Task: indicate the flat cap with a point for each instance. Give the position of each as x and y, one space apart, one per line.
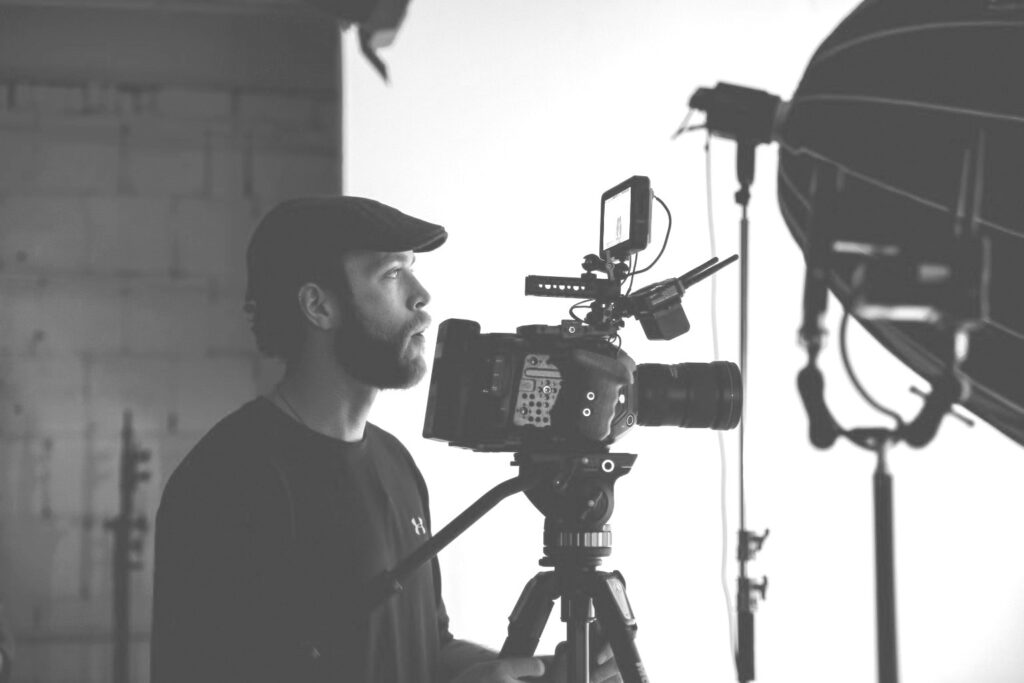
295 237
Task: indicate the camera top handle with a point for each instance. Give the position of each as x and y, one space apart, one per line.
656 306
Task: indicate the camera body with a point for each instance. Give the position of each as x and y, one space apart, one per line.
543 388
564 389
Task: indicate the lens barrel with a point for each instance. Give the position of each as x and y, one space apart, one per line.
689 394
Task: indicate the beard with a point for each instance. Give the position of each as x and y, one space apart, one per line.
376 357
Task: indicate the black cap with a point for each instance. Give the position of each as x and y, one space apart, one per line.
301 237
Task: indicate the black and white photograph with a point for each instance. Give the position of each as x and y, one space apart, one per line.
461 341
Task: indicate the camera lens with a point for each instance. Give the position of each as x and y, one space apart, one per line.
689 394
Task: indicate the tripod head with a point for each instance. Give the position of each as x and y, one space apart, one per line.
576 495
577 498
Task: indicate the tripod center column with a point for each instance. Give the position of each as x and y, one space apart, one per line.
578 613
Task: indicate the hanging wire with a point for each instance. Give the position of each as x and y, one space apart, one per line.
578 304
668 231
730 615
632 266
618 343
844 352
723 477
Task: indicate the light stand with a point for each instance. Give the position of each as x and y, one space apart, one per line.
748 591
749 117
885 567
128 528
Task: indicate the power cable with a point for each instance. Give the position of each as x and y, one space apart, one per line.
721 437
668 231
845 354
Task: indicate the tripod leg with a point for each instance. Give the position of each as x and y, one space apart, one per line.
578 613
615 617
530 615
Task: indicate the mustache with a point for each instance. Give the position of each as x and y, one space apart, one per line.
417 324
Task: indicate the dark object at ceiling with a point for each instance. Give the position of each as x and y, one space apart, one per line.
894 97
378 20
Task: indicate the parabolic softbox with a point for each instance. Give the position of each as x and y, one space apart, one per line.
894 97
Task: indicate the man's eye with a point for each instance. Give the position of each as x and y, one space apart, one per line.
395 272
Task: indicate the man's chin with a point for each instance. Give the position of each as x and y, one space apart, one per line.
417 372
412 374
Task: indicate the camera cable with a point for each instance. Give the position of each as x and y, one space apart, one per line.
578 304
632 268
668 231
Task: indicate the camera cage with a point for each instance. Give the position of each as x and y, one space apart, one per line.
570 387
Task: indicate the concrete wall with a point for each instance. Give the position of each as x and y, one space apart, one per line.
128 191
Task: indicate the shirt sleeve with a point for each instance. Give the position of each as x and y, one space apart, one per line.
215 617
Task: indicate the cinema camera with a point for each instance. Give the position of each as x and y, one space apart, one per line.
559 395
570 388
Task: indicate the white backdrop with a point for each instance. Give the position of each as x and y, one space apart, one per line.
505 122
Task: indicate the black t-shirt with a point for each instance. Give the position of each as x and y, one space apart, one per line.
266 537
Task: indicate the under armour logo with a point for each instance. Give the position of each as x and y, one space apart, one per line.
418 526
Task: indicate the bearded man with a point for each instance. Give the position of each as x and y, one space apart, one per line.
272 526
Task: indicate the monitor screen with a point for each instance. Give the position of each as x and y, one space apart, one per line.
616 228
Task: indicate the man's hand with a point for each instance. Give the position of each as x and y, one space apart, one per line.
510 670
603 668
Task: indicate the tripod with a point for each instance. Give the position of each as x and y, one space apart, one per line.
576 495
576 508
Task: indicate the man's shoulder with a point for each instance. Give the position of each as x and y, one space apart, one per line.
397 454
235 435
226 488
232 452
381 437
383 440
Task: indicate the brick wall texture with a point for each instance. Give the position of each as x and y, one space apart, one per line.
124 214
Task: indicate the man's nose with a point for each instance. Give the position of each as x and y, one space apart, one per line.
420 295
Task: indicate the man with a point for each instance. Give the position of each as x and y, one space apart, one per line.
273 524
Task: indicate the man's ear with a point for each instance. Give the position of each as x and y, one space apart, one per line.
318 306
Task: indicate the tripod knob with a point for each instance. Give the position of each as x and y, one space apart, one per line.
581 539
